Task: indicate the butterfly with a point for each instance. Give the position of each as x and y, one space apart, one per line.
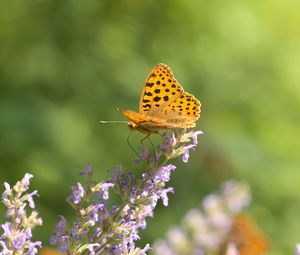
247 237
163 104
49 251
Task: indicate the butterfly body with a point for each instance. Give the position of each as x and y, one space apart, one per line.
163 104
146 124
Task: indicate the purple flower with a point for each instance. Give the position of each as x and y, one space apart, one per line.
186 152
195 137
139 251
146 248
164 196
186 149
208 228
19 241
86 226
25 182
63 244
104 189
237 195
77 194
143 156
168 145
97 212
7 192
163 173
5 250
61 226
59 237
17 233
161 247
99 229
8 229
87 171
32 247
30 198
92 247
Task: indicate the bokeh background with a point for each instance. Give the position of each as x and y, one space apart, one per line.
64 65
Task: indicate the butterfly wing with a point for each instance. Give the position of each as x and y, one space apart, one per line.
160 89
182 112
248 238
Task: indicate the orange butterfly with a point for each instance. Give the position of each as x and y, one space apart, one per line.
49 251
163 104
247 237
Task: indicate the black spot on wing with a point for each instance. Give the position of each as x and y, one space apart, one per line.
156 99
150 85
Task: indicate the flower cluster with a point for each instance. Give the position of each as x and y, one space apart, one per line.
17 235
102 228
205 231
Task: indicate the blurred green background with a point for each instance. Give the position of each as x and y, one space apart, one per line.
64 65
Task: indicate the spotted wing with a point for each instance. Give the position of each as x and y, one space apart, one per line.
160 89
183 111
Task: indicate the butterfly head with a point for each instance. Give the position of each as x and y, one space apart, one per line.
131 125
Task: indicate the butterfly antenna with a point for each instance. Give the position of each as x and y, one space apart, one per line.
113 121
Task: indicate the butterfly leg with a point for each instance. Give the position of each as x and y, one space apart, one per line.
131 145
151 143
147 137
